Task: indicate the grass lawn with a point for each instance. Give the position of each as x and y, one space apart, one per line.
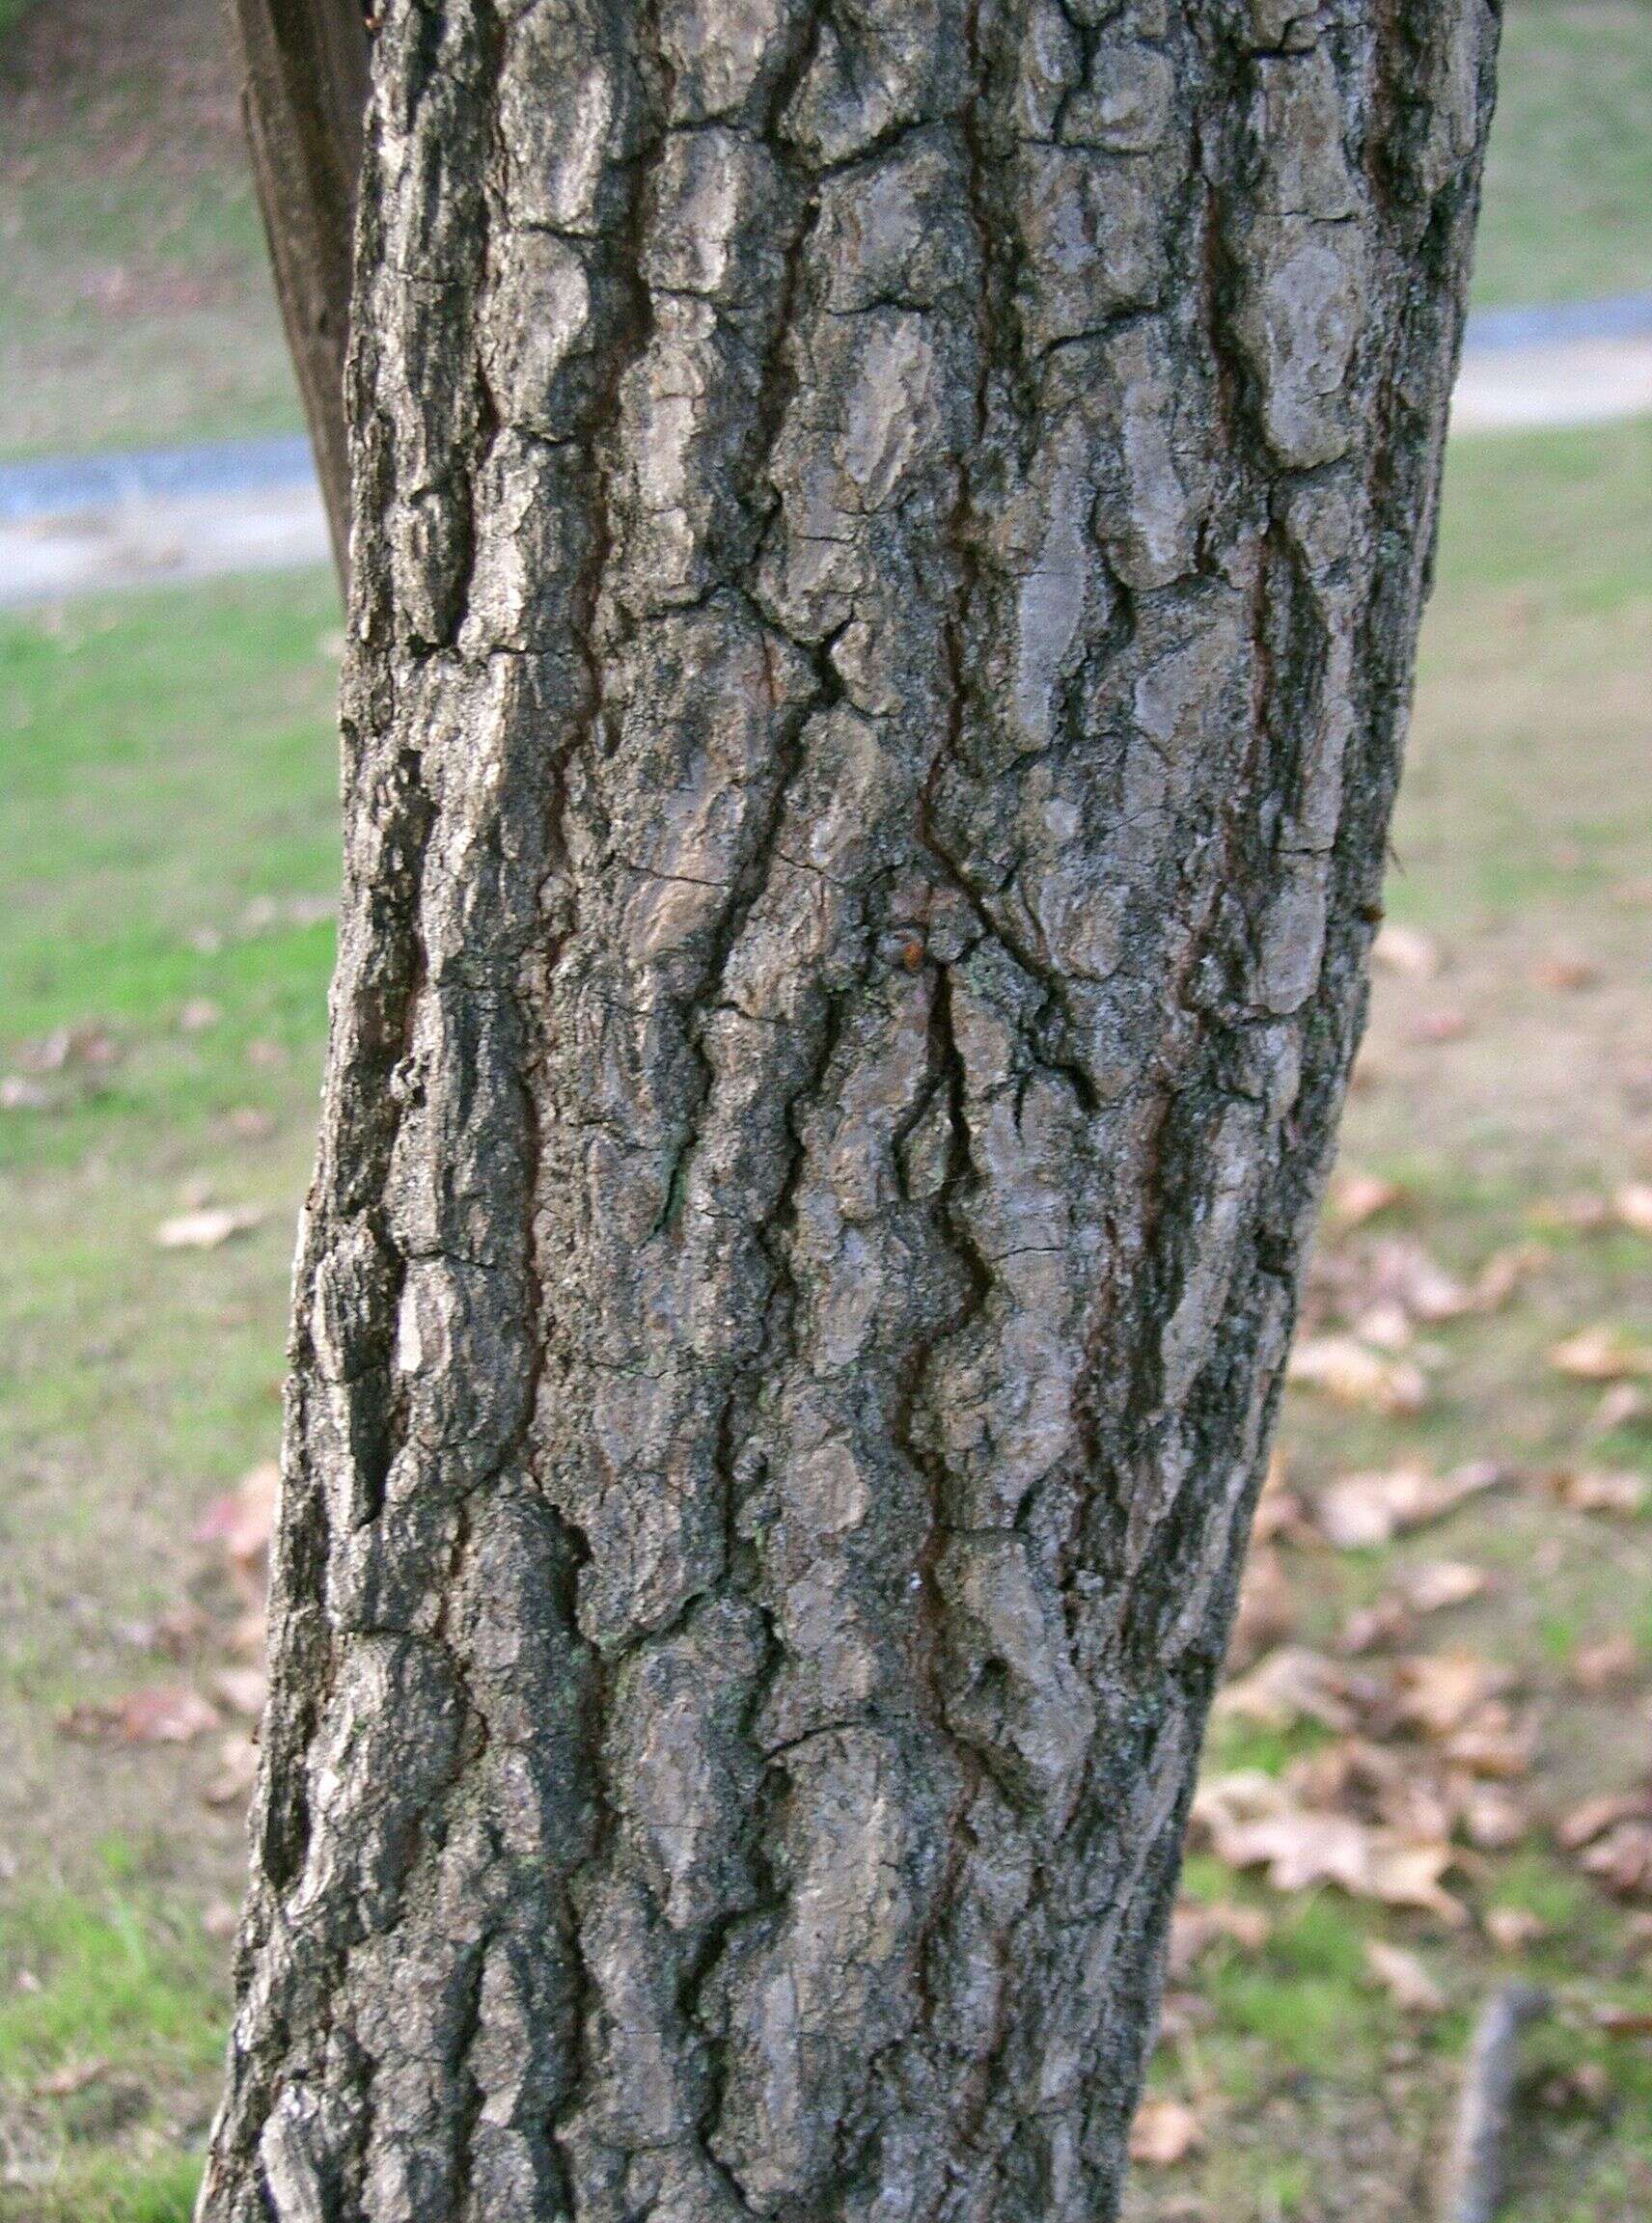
135 306
170 773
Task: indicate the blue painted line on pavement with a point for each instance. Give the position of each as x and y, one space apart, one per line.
71 486
1546 323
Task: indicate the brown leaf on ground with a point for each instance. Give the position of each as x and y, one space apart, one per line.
1582 1213
1632 1205
1601 1490
1600 1355
1621 1859
207 1228
237 1772
1448 1024
242 1690
1254 1821
1492 1744
1404 1978
160 1713
1403 1271
1194 1928
1291 1685
1280 1508
1502 1274
248 1124
1623 2022
1493 1819
1564 975
1267 1609
1406 950
1624 1405
1355 1197
1513 1929
72 2077
18 1093
1351 1373
1439 1692
1165 2131
1362 1510
1599 1669
1435 1585
69 1047
1595 1815
242 1522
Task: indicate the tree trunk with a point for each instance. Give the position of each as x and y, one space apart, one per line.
891 538
305 92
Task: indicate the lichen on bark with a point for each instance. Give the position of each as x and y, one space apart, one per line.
889 537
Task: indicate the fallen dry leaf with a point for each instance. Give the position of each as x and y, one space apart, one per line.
1601 1490
1254 1820
1404 1978
207 1228
248 1124
1267 1609
1194 1928
1595 1815
1406 950
18 1093
1513 1929
1363 1510
1563 976
160 1713
1600 1355
72 2077
1351 1373
1356 1198
69 1047
1623 1405
242 1689
242 1522
1165 2131
1439 1692
1433 1587
1447 1025
1623 2022
1614 1663
1622 1859
1279 1509
1493 1818
1289 1686
1436 1584
238 1770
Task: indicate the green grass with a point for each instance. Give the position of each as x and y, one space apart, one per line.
108 1982
1568 195
108 2190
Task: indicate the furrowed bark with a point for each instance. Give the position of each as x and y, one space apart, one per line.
890 543
303 104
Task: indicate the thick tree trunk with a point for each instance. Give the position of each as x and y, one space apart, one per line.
303 101
890 543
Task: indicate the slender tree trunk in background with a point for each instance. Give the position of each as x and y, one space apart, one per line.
304 98
890 543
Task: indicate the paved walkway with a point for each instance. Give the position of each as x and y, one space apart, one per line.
77 524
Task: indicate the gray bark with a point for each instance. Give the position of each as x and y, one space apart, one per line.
890 542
